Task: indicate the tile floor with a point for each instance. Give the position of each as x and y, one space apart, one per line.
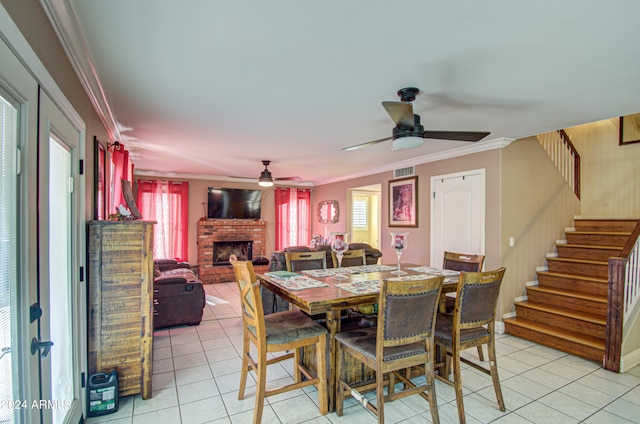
196 375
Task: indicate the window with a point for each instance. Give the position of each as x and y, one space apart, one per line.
360 213
293 217
167 203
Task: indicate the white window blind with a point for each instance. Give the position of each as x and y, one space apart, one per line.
8 257
360 213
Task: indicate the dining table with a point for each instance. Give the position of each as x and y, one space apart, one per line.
328 292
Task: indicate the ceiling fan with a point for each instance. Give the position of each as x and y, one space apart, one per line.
408 131
267 180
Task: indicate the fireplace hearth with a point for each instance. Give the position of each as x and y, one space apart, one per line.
243 249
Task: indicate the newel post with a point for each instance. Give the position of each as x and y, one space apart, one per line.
615 313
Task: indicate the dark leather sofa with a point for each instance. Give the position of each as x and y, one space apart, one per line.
273 303
178 295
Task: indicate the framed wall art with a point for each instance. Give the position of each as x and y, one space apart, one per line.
403 202
629 129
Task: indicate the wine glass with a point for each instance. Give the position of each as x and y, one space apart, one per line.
339 245
399 242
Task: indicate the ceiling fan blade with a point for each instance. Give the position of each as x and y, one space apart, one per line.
368 143
456 135
400 112
288 179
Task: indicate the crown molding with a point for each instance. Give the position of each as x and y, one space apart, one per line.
65 24
498 143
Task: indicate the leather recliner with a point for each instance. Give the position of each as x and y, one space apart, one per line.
178 295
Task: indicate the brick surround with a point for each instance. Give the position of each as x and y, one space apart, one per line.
213 230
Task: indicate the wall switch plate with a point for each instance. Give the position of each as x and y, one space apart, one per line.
512 241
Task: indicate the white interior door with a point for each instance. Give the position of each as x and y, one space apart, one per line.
458 214
62 296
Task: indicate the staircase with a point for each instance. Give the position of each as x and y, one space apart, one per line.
567 309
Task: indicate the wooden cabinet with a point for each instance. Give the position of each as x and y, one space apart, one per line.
121 303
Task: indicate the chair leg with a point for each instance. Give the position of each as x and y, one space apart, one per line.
297 374
491 347
380 395
245 368
339 389
457 383
480 354
321 348
428 374
261 383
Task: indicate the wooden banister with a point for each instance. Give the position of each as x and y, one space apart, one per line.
616 301
576 162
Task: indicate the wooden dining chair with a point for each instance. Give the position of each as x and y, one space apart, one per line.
471 325
287 331
299 261
354 257
460 262
402 339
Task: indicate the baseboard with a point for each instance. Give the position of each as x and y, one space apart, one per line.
630 360
499 327
509 315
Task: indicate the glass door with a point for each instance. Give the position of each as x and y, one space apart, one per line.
61 293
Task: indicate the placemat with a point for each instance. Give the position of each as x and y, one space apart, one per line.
299 282
450 275
329 272
361 287
374 268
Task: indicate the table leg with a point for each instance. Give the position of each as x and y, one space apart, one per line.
333 325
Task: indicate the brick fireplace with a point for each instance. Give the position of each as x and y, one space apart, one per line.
242 237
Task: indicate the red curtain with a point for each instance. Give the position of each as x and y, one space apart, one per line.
293 217
167 203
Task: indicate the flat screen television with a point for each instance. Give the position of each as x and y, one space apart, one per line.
233 203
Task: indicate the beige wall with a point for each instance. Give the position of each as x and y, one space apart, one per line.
537 205
610 173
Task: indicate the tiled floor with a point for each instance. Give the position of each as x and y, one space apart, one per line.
196 375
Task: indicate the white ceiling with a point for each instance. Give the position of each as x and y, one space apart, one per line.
210 88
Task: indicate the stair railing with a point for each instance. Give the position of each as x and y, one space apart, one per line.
623 295
564 155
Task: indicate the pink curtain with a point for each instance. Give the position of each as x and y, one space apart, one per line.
167 203
293 217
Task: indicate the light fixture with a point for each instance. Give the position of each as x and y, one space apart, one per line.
266 179
407 142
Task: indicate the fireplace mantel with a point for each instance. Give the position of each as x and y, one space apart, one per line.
216 230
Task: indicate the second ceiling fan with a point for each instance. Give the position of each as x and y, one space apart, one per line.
408 131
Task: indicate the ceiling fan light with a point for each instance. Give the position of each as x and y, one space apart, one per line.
265 180
407 142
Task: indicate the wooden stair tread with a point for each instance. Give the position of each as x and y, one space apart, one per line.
600 233
569 293
572 336
574 276
590 246
577 261
583 316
